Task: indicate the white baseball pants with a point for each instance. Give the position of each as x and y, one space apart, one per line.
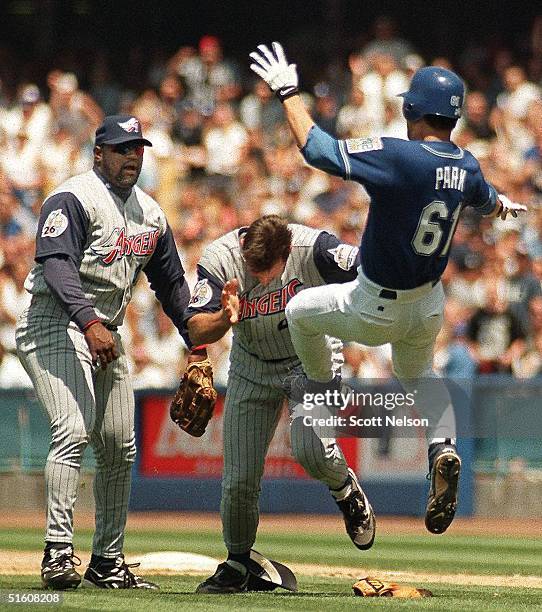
358 312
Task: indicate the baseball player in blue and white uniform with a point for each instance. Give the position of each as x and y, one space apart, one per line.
97 232
418 188
246 279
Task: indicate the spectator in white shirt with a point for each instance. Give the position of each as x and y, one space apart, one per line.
30 116
383 83
225 142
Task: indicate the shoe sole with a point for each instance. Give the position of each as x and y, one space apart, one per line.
66 586
441 510
216 590
87 584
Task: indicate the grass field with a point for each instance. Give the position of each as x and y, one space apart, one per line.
485 559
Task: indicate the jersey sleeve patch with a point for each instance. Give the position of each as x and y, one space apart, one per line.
202 294
362 145
55 224
344 255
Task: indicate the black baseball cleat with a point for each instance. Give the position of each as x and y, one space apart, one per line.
115 574
359 518
444 469
58 568
226 580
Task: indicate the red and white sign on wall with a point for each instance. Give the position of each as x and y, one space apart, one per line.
166 451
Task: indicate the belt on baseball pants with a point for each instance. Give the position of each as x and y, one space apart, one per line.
111 327
390 294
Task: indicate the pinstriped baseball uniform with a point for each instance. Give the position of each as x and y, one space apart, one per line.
110 240
261 358
116 232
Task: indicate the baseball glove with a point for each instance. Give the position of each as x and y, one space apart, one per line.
373 587
193 404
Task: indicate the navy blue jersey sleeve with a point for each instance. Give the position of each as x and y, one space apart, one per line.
336 262
164 265
322 151
166 276
206 294
482 196
369 161
64 282
62 228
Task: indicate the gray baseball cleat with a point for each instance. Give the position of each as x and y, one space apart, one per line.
359 518
444 469
58 568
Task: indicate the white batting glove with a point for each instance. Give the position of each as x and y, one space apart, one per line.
507 206
273 68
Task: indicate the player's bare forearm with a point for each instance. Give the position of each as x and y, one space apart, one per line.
299 119
208 327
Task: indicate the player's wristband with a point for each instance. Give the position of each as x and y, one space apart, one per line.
199 348
286 92
197 353
91 323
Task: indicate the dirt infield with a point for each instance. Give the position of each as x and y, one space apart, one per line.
28 562
13 562
271 523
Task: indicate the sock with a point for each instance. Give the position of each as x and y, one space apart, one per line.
239 561
449 441
436 446
57 545
344 491
97 559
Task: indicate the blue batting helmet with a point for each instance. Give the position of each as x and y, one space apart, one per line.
433 91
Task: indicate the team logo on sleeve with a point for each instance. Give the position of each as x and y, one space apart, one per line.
344 255
201 295
55 224
362 145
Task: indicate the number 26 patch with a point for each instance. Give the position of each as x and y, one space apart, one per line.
55 224
202 294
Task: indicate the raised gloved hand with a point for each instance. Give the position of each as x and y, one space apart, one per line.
509 207
273 68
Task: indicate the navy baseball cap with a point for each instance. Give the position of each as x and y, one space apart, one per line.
117 129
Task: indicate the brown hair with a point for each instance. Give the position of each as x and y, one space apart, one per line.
267 240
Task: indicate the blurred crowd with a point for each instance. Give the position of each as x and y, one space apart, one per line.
222 156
